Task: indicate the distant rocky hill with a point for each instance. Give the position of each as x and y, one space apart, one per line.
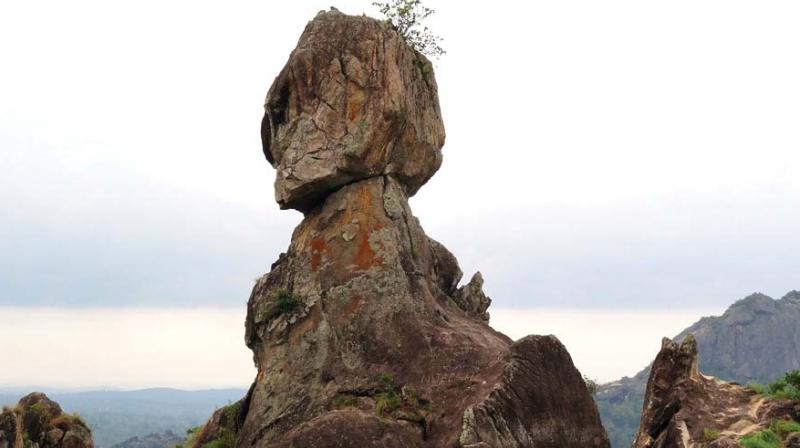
38 422
757 339
165 439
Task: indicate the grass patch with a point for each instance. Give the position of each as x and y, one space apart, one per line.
710 434
403 404
65 421
761 439
228 429
284 303
341 401
784 427
386 403
37 418
787 387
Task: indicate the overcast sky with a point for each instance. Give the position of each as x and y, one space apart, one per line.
618 156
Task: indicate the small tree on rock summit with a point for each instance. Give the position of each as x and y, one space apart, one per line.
407 17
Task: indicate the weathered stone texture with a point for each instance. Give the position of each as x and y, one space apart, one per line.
354 101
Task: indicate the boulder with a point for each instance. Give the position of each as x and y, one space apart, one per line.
354 101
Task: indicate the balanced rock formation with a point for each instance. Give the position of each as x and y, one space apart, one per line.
38 422
685 409
360 333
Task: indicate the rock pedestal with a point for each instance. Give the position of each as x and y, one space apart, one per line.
360 333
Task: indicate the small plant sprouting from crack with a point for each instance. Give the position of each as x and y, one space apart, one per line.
284 302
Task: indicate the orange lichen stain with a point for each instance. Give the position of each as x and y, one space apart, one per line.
354 305
365 256
318 247
365 198
355 101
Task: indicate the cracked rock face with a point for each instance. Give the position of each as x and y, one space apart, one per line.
42 422
354 101
360 332
681 404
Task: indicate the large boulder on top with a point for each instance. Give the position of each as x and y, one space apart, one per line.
354 101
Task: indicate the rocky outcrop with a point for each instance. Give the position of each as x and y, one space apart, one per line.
360 333
685 409
731 347
38 422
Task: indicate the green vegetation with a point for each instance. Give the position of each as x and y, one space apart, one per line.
226 432
710 434
387 402
761 439
784 427
390 400
591 385
191 437
786 387
341 401
64 421
407 17
227 428
385 380
37 418
284 303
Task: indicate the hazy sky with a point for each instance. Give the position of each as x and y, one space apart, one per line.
603 154
619 155
203 347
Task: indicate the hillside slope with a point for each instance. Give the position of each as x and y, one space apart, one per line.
757 339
